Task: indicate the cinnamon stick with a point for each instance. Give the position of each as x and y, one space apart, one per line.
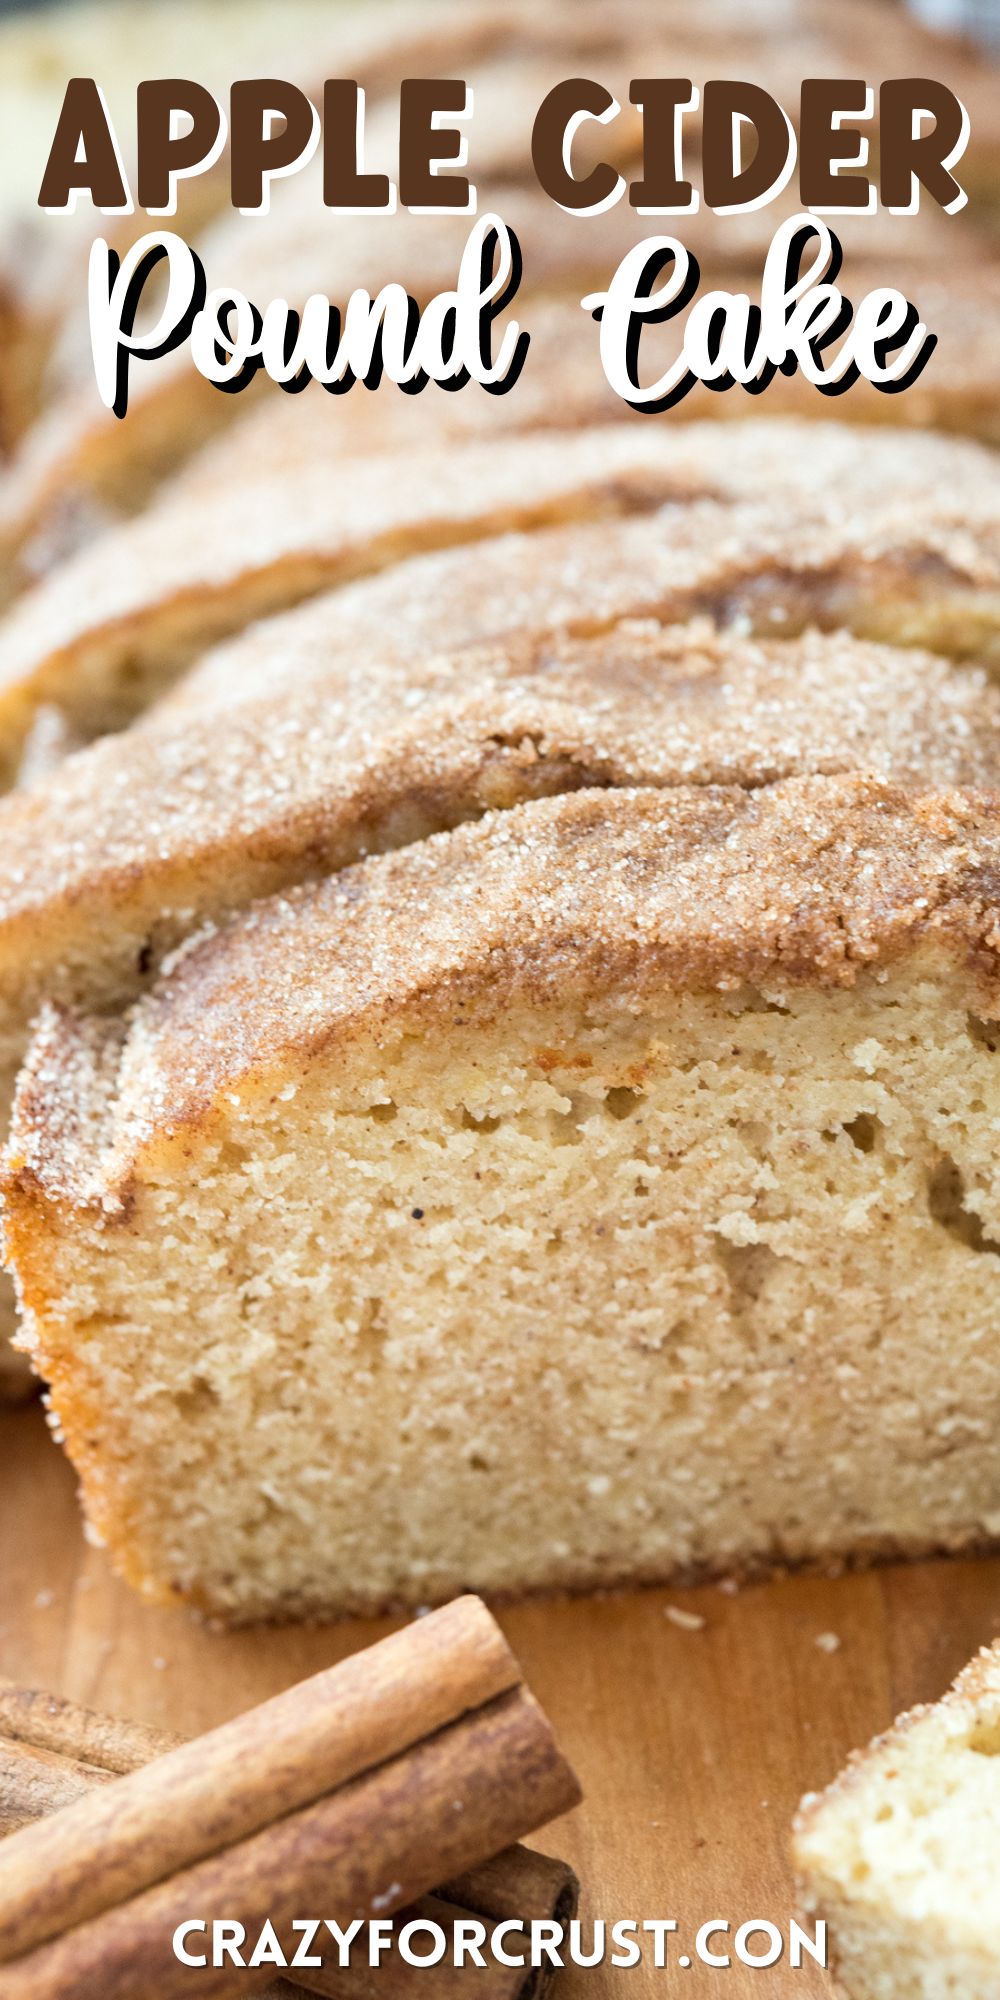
350 1796
103 1742
370 1848
517 1884
397 1978
33 1783
226 1786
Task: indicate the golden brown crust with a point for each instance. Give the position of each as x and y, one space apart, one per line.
214 568
148 596
575 899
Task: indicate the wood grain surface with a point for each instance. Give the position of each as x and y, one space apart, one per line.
693 1746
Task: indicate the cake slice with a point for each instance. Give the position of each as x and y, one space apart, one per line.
915 571
601 1192
118 623
921 571
113 625
901 1854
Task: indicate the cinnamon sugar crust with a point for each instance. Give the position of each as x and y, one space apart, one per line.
922 569
119 622
195 813
621 894
977 1683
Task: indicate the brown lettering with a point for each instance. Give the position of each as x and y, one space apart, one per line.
161 155
420 143
83 127
563 103
659 188
904 156
257 152
821 142
726 185
343 185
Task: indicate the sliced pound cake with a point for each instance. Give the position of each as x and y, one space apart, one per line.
246 785
901 1856
607 1190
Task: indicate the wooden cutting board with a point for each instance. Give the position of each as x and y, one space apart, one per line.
693 1746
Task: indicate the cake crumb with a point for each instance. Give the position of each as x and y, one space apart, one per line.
686 1621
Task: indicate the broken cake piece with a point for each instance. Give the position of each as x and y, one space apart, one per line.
900 1856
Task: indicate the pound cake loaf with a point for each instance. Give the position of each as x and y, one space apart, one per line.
901 1856
238 784
603 1191
301 745
260 783
345 726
